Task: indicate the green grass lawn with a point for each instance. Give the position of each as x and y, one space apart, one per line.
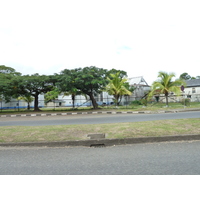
80 132
133 107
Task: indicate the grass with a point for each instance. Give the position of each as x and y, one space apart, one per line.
80 132
133 107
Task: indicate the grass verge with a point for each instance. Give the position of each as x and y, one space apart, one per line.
80 132
133 107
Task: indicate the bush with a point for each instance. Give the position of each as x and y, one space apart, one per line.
185 102
143 102
136 102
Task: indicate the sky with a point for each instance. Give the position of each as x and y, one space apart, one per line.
141 37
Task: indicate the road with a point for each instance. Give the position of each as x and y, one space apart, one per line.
170 158
93 119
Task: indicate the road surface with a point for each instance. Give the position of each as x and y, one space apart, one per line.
93 119
170 158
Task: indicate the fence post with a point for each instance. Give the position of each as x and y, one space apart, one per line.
126 102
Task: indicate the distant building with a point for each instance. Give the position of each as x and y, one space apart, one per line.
20 104
192 90
141 87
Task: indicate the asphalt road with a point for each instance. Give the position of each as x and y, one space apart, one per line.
171 158
93 119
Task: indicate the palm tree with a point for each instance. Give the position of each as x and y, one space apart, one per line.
117 87
165 85
28 99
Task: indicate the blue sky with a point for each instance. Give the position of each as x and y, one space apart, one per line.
140 37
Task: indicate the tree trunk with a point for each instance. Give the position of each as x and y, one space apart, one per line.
28 107
94 103
73 100
116 99
36 108
167 103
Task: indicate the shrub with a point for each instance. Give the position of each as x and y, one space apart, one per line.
136 102
143 102
185 102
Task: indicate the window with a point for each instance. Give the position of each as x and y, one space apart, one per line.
193 90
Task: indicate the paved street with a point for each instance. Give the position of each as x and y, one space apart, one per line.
138 159
93 119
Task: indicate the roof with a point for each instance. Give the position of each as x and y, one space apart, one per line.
193 83
137 80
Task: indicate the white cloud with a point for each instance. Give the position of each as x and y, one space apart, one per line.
140 37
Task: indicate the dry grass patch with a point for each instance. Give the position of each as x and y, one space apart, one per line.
118 130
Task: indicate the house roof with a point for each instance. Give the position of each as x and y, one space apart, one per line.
193 83
137 80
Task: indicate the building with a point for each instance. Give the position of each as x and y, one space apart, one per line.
192 90
141 87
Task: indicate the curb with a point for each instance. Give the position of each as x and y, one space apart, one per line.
104 142
103 112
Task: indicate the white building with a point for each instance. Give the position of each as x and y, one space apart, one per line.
141 87
192 90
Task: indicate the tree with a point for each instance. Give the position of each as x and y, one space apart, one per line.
51 95
28 99
6 76
122 74
66 84
33 85
4 70
117 87
165 85
186 76
88 80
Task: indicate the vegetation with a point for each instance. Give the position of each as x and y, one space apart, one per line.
165 85
117 87
6 76
80 132
31 86
186 76
87 81
28 99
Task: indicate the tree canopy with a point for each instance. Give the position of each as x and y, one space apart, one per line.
165 85
32 85
117 86
6 75
88 80
186 76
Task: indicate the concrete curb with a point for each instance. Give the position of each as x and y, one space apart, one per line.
104 142
103 112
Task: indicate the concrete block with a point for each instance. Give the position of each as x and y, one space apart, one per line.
96 136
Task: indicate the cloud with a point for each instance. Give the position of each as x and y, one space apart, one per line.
140 37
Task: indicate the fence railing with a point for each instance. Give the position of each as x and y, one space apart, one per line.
126 102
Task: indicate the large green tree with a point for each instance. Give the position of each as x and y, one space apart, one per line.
7 74
32 85
66 84
87 80
186 76
165 85
118 86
